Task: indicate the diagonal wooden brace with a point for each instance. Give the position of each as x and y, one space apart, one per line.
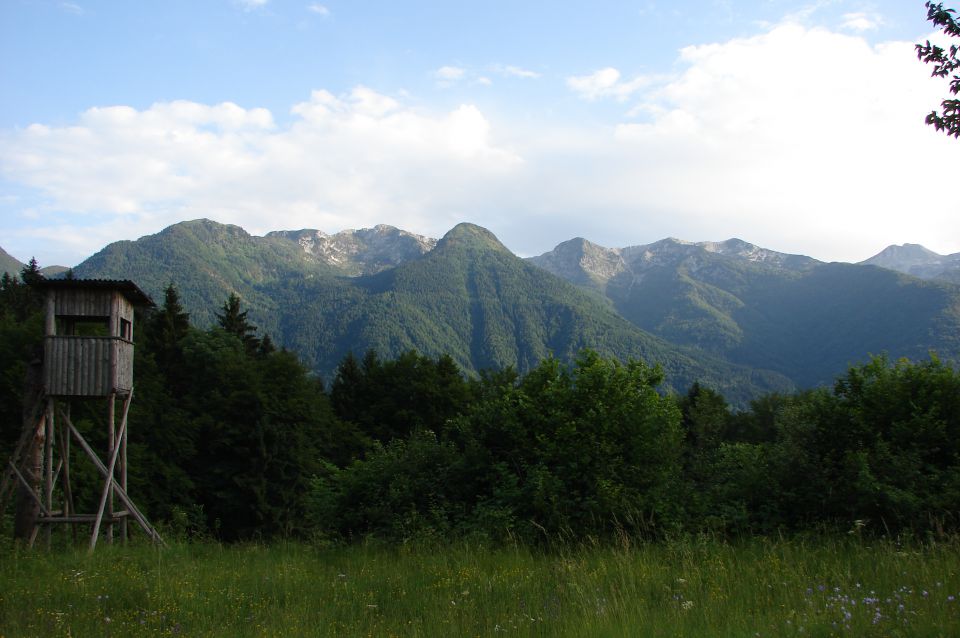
119 491
30 490
24 446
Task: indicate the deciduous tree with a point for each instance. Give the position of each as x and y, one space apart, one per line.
946 62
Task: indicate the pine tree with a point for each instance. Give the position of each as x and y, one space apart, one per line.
31 272
18 300
164 332
266 347
235 322
173 322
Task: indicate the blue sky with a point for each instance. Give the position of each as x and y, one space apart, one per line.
794 125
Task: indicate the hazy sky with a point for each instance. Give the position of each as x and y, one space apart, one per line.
794 125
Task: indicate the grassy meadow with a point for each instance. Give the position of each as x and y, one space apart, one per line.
694 587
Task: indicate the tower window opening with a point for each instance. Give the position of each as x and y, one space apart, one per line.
83 326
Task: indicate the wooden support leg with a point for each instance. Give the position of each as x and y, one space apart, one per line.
31 482
111 453
107 494
123 466
21 452
121 493
48 469
68 510
29 490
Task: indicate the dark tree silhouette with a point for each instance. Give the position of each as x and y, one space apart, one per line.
31 272
236 323
165 330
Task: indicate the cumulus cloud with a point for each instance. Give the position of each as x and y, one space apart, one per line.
799 139
350 160
605 83
596 84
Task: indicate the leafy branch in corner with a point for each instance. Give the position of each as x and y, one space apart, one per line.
944 63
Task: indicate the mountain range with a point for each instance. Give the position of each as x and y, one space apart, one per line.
792 314
914 259
740 318
465 295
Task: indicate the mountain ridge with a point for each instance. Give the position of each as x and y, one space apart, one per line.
742 318
760 308
9 264
918 261
362 251
469 297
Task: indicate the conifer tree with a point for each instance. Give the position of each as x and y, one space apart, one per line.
266 347
31 272
166 329
172 320
235 322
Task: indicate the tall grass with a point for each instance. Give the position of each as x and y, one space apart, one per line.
693 587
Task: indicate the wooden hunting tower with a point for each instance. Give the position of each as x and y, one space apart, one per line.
87 354
88 346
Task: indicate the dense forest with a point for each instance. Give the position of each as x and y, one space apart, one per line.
234 438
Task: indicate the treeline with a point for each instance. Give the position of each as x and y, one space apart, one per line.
235 438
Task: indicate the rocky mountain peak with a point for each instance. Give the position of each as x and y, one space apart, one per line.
360 252
581 261
745 250
659 252
916 260
903 256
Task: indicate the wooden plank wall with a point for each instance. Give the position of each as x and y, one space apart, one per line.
82 366
77 366
73 302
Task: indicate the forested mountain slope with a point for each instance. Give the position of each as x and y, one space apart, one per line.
805 319
9 264
469 297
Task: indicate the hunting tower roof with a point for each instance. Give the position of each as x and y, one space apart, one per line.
126 287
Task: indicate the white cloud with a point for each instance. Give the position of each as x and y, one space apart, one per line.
447 76
345 161
804 13
319 9
861 22
799 139
595 85
518 72
449 73
250 5
605 83
72 7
